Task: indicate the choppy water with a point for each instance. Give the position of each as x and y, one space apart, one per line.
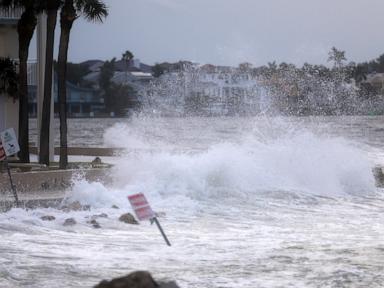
249 202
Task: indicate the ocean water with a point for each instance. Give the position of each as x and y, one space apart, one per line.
245 202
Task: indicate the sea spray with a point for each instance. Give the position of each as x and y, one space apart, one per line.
249 165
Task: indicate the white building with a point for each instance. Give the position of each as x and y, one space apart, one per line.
9 108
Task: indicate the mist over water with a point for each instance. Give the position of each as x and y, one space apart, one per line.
255 202
245 201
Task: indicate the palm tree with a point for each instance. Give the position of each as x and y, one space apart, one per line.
127 57
51 7
25 29
92 10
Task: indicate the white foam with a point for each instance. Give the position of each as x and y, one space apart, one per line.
295 162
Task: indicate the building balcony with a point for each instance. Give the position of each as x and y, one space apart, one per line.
10 16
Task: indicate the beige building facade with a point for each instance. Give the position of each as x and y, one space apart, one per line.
9 108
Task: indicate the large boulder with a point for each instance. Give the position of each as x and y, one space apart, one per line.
128 218
94 223
47 218
139 279
69 222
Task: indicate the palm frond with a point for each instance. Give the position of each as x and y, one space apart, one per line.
92 10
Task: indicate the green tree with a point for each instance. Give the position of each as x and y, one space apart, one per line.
105 82
75 73
158 70
8 77
91 10
127 56
337 57
117 97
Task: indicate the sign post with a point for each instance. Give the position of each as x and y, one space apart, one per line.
144 212
8 147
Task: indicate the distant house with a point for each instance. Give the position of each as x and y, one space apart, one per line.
81 102
134 65
376 80
93 65
135 74
136 79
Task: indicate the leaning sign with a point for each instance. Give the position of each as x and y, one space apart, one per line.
9 142
8 147
2 152
144 212
141 206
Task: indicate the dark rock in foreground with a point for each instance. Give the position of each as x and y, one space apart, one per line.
47 218
69 222
128 218
94 223
139 279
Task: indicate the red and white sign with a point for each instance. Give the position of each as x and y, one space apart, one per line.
2 152
141 206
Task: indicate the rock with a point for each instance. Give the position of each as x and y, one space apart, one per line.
96 226
47 218
102 215
128 218
171 284
69 222
94 223
75 206
379 176
139 279
97 160
115 207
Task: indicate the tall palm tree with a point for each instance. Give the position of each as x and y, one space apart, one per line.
92 10
127 57
25 29
51 7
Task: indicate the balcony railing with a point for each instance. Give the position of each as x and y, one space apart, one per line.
32 73
11 13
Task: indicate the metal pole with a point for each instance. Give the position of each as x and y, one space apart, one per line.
12 186
161 230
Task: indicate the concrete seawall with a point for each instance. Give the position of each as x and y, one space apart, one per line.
45 188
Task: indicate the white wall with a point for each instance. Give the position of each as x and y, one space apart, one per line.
9 113
9 42
9 108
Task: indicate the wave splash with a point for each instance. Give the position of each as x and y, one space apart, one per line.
300 162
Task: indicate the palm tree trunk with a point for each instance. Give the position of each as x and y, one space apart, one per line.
67 17
46 113
25 29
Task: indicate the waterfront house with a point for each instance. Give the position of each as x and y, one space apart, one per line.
81 101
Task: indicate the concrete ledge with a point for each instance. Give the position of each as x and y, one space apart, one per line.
45 188
45 182
86 151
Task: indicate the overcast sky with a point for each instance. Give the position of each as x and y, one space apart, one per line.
229 32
